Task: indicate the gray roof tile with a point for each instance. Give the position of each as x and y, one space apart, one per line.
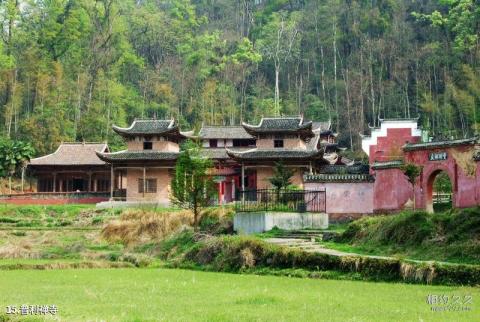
152 127
273 154
74 153
439 144
138 156
223 132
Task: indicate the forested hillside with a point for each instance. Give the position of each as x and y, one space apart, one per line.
72 68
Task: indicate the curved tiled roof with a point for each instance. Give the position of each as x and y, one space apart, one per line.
148 155
272 125
73 153
148 127
223 132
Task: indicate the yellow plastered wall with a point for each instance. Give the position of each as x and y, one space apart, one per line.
287 143
163 185
158 144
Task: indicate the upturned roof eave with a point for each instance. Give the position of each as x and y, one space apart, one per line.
107 157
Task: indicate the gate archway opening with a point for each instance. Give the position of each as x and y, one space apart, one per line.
439 192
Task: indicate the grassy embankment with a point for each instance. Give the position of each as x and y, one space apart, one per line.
58 236
450 236
80 236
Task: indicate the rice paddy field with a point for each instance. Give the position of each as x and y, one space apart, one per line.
134 294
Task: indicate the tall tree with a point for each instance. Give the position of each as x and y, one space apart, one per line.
192 186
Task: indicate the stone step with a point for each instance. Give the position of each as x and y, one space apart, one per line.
308 235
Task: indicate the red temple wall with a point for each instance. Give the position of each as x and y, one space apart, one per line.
390 147
392 191
462 170
346 198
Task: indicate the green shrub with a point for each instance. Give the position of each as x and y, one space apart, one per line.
113 256
8 220
97 220
19 233
138 260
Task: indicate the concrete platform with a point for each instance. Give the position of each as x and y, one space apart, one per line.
258 222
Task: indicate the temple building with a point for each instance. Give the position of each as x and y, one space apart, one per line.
243 158
144 170
215 141
73 167
287 140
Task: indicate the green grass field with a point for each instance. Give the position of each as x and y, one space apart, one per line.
181 295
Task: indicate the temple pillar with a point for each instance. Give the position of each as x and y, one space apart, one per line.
112 182
54 182
95 185
243 177
233 189
23 177
89 188
144 181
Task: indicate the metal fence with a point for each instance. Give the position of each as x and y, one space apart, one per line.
285 201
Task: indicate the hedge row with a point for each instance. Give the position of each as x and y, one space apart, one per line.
235 254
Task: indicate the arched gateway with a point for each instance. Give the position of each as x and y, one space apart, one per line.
430 191
397 143
457 158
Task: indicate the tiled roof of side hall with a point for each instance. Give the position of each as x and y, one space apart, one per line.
138 156
439 144
345 169
348 178
219 153
150 127
274 154
73 153
223 132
